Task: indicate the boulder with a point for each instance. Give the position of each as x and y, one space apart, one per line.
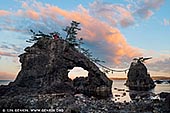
138 77
166 103
45 67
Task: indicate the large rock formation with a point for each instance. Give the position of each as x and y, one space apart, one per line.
138 77
45 67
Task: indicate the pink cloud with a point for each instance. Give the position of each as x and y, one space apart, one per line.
112 14
126 17
32 14
24 4
28 14
7 54
6 76
95 30
4 13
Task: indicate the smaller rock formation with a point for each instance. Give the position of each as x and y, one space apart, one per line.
138 77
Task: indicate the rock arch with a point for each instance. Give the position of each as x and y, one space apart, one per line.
45 68
77 72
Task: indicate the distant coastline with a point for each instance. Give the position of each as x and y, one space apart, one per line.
154 78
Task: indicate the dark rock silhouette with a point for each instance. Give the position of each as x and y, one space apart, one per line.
45 67
166 104
138 77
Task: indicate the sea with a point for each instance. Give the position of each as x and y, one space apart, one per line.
5 82
120 92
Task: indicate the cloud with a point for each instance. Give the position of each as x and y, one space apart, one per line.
166 22
144 13
6 76
146 8
103 37
4 47
154 4
4 13
114 14
99 24
124 14
7 54
29 14
12 28
161 65
108 39
15 48
11 48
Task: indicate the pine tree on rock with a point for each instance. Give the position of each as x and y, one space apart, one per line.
72 33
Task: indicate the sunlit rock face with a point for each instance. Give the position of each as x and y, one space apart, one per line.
138 78
45 67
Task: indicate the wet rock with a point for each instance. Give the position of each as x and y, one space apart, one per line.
168 81
72 109
164 94
115 88
124 94
165 97
117 95
167 103
158 81
127 90
120 89
138 78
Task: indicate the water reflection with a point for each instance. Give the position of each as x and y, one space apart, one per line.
121 93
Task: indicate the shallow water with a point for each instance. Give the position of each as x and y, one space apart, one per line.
118 88
5 82
121 92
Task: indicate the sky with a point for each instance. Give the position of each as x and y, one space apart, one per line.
116 31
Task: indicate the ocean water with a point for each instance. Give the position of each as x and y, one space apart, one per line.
120 92
5 82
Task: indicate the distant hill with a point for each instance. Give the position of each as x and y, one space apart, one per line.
160 78
114 78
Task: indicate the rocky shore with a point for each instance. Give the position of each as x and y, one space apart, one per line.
79 103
